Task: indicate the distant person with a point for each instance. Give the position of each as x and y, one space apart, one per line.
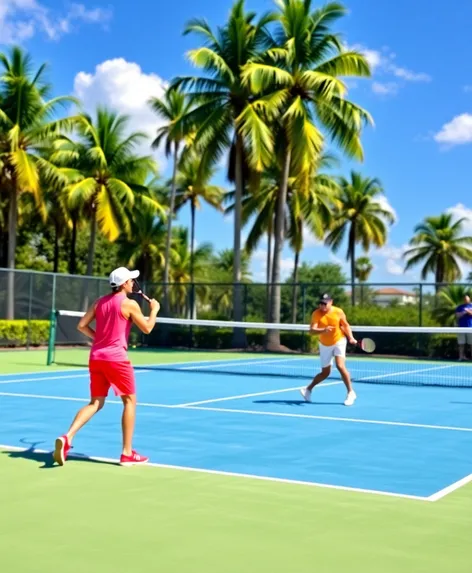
109 365
330 323
464 320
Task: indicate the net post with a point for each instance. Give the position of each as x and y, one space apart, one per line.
52 337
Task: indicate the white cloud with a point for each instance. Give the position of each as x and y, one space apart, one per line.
408 75
460 211
382 63
390 88
394 268
125 88
457 132
259 261
385 204
21 19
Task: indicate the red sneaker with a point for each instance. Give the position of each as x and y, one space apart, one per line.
61 450
133 460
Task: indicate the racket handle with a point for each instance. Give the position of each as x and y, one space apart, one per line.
144 296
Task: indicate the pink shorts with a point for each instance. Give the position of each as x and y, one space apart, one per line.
117 375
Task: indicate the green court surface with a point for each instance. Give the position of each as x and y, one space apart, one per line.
96 517
92 516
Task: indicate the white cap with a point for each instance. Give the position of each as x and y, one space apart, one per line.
119 276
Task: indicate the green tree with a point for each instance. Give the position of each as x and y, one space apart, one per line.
450 297
171 108
439 245
107 178
301 95
220 97
192 187
361 215
25 129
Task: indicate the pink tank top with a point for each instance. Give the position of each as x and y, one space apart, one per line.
112 330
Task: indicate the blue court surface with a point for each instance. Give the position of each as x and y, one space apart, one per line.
398 439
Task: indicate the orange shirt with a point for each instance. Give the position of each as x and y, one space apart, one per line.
331 318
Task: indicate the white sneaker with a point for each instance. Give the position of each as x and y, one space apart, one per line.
351 398
306 394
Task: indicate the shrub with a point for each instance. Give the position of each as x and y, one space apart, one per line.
15 332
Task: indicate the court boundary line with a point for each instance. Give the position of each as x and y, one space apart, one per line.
252 395
232 474
333 418
48 378
450 488
251 412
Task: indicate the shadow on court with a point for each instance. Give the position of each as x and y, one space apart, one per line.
46 459
296 403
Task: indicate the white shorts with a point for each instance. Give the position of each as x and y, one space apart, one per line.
464 338
327 353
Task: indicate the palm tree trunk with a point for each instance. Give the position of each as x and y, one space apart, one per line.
73 246
268 270
239 336
295 288
192 259
90 257
352 256
273 338
56 246
169 231
12 225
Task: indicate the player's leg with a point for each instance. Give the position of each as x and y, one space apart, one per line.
340 359
461 340
98 391
326 359
122 381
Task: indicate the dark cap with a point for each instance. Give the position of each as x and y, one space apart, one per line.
325 298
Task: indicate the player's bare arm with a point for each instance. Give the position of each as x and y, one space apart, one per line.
315 329
145 324
346 328
86 320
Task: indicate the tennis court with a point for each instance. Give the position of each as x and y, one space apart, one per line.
239 458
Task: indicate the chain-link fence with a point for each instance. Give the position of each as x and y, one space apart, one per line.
28 297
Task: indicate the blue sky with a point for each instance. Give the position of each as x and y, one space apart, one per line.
420 95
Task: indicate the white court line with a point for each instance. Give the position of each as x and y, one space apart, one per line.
405 373
17 381
253 412
332 418
71 399
236 475
450 488
238 362
212 400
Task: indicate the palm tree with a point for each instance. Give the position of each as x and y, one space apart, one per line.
172 108
440 246
450 297
305 211
180 271
107 177
220 98
192 187
26 128
300 94
361 214
363 269
144 249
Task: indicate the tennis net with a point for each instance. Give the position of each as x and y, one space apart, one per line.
404 355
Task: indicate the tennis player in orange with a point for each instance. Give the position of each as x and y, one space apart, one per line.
330 323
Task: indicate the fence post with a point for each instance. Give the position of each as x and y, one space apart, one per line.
30 304
421 306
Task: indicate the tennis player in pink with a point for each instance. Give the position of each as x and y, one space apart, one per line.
109 366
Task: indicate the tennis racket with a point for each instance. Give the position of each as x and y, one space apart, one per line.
138 290
366 344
